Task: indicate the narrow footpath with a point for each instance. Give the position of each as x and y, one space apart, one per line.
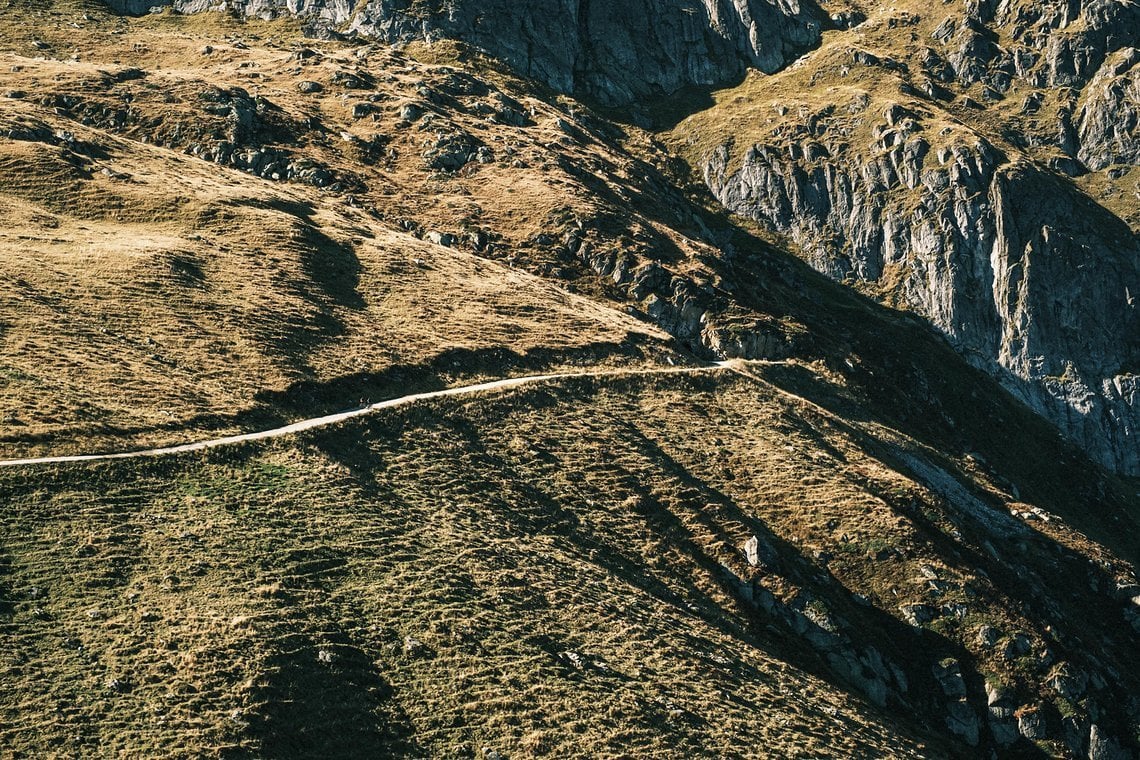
332 419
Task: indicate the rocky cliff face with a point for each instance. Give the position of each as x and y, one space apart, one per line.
1109 116
938 181
1024 274
614 52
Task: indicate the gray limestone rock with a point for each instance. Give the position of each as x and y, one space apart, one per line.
1031 724
918 615
996 252
1109 131
1068 682
963 722
1104 747
949 676
615 52
760 553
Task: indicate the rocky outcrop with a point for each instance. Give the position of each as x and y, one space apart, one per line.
614 52
1057 43
689 307
1110 116
1078 56
1026 276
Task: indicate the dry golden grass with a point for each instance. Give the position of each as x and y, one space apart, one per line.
410 584
157 296
498 534
154 295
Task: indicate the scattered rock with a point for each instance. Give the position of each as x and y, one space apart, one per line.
760 553
1104 747
996 694
411 113
413 647
918 615
1004 731
963 722
575 659
954 610
1068 682
354 80
309 87
451 152
949 676
1031 724
444 239
1019 645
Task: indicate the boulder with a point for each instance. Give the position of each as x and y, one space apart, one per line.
1104 747
1031 724
949 676
963 722
1068 681
760 553
918 615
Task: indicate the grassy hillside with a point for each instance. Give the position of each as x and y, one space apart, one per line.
535 574
215 226
155 295
551 571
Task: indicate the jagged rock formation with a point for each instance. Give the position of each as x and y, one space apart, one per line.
1076 57
1017 268
615 52
938 181
1108 119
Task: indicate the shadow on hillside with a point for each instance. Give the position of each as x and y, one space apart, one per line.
776 633
965 412
446 368
310 398
7 593
331 265
528 506
1061 585
1031 572
342 708
700 522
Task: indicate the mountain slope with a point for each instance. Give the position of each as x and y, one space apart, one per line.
850 152
615 52
859 544
924 157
